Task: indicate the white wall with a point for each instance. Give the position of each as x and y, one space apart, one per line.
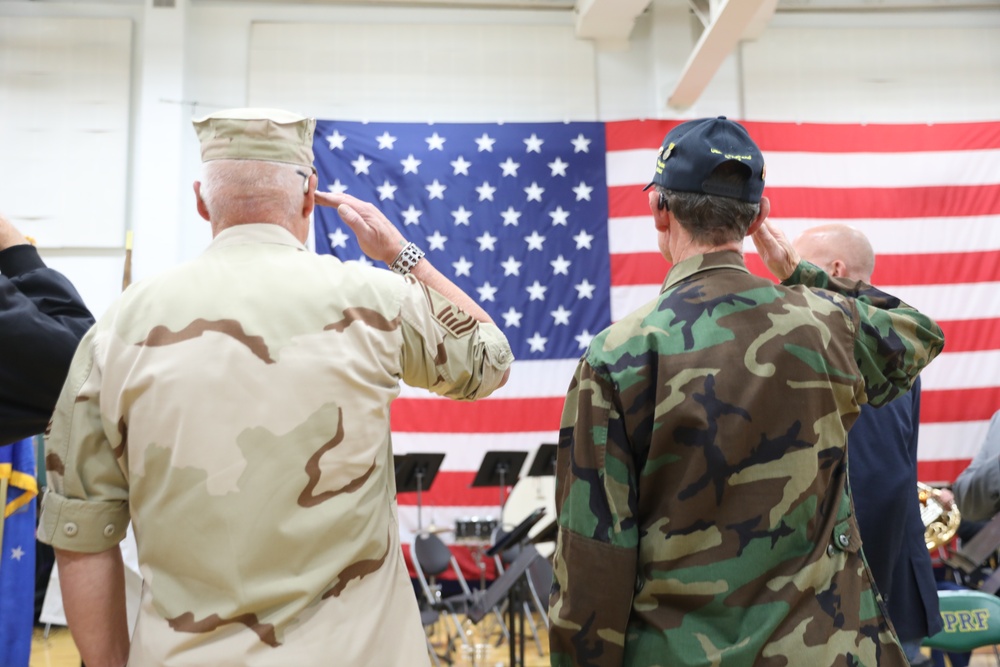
350 62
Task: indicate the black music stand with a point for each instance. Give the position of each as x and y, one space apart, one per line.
500 469
518 534
547 534
509 584
416 472
544 462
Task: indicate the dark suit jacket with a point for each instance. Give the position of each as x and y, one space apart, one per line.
42 318
882 470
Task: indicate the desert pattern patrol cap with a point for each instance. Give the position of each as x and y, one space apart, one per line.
273 135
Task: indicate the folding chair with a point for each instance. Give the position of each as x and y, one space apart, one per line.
971 620
431 558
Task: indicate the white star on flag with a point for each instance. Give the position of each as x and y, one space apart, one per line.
386 191
534 241
485 143
461 216
583 191
533 144
435 142
561 315
385 141
461 166
361 165
436 190
486 191
536 291
462 266
558 167
559 216
411 216
338 239
585 290
510 216
486 292
337 187
436 240
581 144
511 266
534 192
336 140
511 318
537 342
487 241
410 164
509 167
583 240
560 265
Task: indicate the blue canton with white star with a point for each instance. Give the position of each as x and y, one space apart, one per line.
516 214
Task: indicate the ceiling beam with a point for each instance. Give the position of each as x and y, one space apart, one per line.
731 22
608 22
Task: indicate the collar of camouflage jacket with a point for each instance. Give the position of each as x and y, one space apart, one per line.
726 259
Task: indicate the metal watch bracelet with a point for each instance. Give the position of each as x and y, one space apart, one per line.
407 259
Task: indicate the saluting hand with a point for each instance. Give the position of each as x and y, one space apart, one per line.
9 234
378 238
776 250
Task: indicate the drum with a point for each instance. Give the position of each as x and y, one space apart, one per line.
474 530
529 494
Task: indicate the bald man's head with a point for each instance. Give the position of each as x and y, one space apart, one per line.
841 251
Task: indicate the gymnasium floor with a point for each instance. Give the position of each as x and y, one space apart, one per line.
58 650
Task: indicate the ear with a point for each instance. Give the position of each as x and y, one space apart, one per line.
202 209
661 216
838 269
309 201
765 210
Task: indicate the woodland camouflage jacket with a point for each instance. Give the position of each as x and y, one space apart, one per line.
703 513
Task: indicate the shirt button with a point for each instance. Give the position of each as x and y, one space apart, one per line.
109 530
829 550
70 529
844 540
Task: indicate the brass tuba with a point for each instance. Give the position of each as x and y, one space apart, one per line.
940 523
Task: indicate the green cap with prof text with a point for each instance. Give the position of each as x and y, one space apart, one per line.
273 135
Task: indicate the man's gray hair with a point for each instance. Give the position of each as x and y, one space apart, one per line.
252 190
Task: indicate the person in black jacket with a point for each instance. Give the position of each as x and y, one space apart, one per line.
42 318
882 469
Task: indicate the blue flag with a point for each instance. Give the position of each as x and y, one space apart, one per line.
514 213
17 552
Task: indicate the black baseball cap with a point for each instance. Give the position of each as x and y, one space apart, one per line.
694 149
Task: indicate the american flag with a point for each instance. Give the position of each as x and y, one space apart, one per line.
547 226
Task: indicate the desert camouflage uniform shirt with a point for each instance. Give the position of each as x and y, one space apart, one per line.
703 513
237 408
